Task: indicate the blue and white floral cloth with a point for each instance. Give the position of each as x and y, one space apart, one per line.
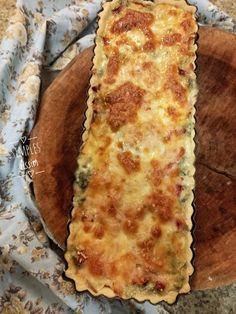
44 33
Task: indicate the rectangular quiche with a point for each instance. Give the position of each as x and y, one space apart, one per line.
130 230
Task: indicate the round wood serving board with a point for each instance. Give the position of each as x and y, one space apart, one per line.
58 130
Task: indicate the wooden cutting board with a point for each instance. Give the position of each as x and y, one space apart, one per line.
58 130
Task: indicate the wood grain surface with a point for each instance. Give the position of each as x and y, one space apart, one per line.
215 231
58 130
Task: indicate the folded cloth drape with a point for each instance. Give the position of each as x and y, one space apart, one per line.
31 273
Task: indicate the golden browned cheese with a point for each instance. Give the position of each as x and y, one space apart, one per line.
130 228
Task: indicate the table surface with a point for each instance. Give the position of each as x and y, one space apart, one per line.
229 6
7 8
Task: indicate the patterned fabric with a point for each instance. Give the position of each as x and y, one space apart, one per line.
31 272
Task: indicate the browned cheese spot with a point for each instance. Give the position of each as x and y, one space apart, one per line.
139 20
156 231
128 162
113 66
123 104
96 265
173 113
187 24
130 226
173 84
161 204
171 39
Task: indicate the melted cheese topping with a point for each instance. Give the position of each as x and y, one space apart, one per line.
130 229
